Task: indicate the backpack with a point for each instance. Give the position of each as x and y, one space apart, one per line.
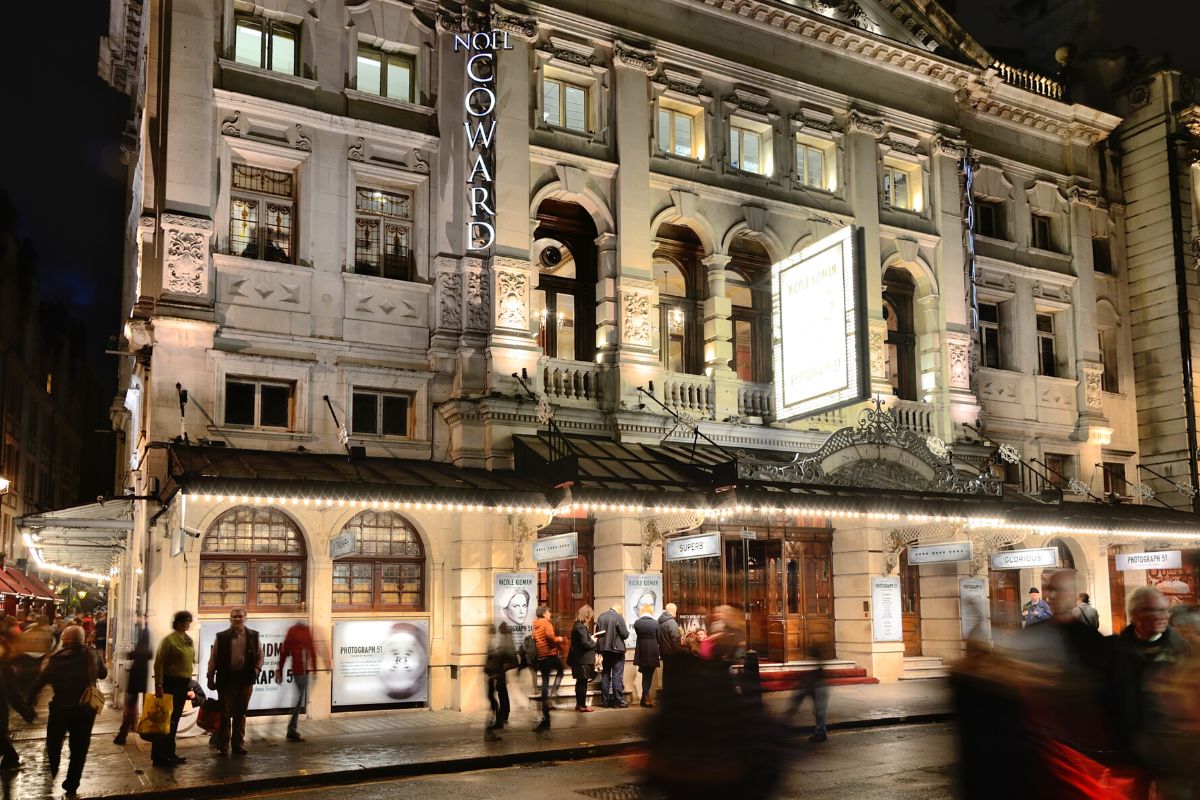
530 651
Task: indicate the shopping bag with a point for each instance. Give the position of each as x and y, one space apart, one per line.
156 716
209 715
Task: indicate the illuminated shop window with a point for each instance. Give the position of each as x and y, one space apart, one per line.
252 557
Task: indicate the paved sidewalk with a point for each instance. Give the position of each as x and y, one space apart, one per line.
348 749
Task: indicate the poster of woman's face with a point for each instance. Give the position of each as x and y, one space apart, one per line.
515 609
380 662
402 667
514 598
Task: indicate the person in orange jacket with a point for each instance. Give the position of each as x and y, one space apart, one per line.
549 648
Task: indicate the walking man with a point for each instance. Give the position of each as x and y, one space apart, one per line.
501 657
670 639
173 676
233 668
645 654
298 645
549 647
611 633
70 671
1085 613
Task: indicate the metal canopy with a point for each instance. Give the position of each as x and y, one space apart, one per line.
83 537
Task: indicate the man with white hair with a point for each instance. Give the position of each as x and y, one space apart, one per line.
670 640
71 670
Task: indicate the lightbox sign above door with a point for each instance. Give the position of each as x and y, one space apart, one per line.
820 346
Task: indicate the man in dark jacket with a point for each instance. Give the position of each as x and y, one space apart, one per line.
135 679
233 668
646 655
611 633
670 639
69 672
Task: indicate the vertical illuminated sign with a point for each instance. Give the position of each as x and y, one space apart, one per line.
479 103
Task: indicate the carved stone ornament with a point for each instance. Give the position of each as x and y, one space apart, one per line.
625 55
358 150
902 147
655 528
958 347
298 139
512 300
946 146
567 56
185 264
1088 197
449 22
519 25
478 297
1093 375
860 123
231 126
636 329
449 289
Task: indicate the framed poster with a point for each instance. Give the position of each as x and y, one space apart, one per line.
514 598
886 621
643 595
380 662
974 609
269 696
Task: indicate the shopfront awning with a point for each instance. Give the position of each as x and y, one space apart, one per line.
81 538
26 584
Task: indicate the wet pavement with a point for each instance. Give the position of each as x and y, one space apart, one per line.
413 742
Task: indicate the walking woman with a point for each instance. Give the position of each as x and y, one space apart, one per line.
70 671
173 676
581 658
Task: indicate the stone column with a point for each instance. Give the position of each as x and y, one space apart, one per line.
472 557
1092 426
862 169
718 338
617 553
857 557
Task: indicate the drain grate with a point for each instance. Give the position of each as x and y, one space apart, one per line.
622 791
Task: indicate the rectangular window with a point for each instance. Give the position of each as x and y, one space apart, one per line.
1114 477
989 219
1110 379
674 322
266 44
380 413
262 208
383 233
385 74
1042 238
258 404
743 349
1047 363
564 105
675 132
897 191
1102 255
748 149
810 165
223 583
1058 469
989 336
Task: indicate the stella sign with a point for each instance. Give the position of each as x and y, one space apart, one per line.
480 125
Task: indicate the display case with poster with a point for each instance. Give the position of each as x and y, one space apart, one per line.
269 697
513 594
380 663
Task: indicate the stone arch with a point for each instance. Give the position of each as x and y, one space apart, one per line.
922 273
688 217
767 238
591 202
1107 315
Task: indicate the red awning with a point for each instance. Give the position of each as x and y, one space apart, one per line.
27 584
8 585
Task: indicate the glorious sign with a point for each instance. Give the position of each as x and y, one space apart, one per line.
480 125
820 346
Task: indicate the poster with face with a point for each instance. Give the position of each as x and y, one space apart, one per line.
268 695
380 662
515 598
643 597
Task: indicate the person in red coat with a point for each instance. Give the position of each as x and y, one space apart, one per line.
298 646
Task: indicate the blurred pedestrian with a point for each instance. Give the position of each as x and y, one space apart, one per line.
726 639
501 657
100 634
670 640
1179 691
71 670
549 648
645 654
611 635
581 657
135 679
298 646
9 759
814 683
1036 609
173 676
233 667
1085 613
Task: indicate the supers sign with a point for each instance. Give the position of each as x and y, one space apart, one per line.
820 346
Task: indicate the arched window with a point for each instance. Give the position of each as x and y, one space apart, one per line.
386 569
564 304
901 341
252 557
676 267
745 281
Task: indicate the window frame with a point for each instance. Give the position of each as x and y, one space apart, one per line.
1046 339
378 563
263 200
380 395
385 59
1102 260
253 558
688 308
1108 344
1039 222
267 28
695 115
802 142
911 171
408 261
564 84
258 383
996 329
999 219
739 129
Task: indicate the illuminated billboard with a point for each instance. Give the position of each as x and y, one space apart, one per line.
820 345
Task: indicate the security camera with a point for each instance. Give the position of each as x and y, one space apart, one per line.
192 532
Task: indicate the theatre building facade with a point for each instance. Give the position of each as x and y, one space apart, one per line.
438 313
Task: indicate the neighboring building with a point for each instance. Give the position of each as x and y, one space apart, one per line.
376 351
42 393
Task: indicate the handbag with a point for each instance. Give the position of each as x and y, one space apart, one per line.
209 715
92 697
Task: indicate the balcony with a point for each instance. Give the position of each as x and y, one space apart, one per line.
688 394
755 400
576 383
914 416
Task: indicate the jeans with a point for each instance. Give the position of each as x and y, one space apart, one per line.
162 748
647 683
301 681
820 696
544 666
76 722
612 679
234 701
497 694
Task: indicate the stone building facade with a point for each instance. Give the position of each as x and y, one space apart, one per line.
355 306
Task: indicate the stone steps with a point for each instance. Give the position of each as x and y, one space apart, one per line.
919 668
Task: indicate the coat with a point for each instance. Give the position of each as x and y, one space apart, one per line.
645 654
220 661
68 673
670 640
582 652
611 632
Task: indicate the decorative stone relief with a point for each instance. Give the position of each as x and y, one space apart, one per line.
185 265
958 347
449 291
231 126
297 139
358 150
519 25
478 297
861 123
626 55
637 328
946 146
878 351
512 299
998 390
1093 373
